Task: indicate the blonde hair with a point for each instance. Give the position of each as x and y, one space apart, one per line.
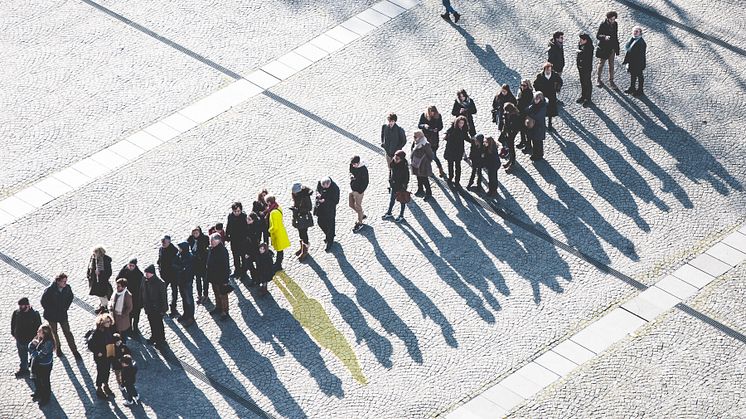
101 318
47 332
528 83
99 251
418 134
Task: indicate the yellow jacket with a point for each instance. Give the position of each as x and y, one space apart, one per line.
277 233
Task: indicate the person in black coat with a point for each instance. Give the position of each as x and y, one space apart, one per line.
236 230
393 137
525 99
166 255
456 136
431 123
327 199
584 63
184 267
608 47
24 325
56 301
252 245
398 182
358 184
100 342
556 52
498 105
634 58
465 106
134 278
198 245
477 156
155 304
260 208
491 163
513 125
99 273
549 83
265 267
218 272
302 216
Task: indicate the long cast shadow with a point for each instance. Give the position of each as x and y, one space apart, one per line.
489 59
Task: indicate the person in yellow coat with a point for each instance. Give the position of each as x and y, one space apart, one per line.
277 233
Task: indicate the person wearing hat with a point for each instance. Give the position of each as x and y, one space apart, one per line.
302 217
236 232
155 304
23 327
584 62
184 267
327 199
218 271
166 256
134 278
398 181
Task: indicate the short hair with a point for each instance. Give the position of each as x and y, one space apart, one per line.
270 198
237 205
219 226
355 159
325 179
391 117
122 282
558 34
60 276
419 134
634 28
547 64
216 236
611 14
127 359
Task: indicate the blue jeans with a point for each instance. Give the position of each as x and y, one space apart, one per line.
187 298
391 204
22 354
449 8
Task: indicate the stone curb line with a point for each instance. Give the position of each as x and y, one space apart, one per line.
131 148
560 361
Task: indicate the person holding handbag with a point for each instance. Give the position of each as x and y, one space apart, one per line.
302 217
100 342
422 157
398 182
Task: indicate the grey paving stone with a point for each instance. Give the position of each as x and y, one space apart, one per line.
693 276
556 363
736 240
651 303
727 254
34 196
710 265
502 396
676 287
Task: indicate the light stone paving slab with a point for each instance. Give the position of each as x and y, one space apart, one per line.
607 330
262 79
693 276
373 17
389 9
358 25
295 61
727 254
710 265
311 52
127 149
152 136
72 177
537 374
278 70
327 43
651 303
34 196
342 34
108 159
179 122
737 241
53 187
556 363
6 218
502 396
574 352
676 287
521 385
482 408
16 207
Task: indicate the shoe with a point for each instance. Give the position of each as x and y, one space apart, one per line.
77 356
329 246
446 17
304 252
521 144
181 319
427 197
536 158
199 300
128 403
630 91
387 217
419 194
136 399
456 17
300 250
108 391
60 354
612 85
101 394
173 313
579 100
442 173
21 373
599 83
587 104
638 93
357 227
399 219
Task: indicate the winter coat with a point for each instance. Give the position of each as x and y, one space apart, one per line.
327 211
635 55
392 139
277 233
199 247
184 267
153 295
538 112
513 123
422 157
455 139
584 60
431 133
56 302
236 229
265 266
490 157
129 374
41 353
498 108
471 109
251 246
218 266
24 325
119 351
166 256
134 283
359 178
99 285
550 87
399 176
302 205
525 98
556 55
476 154
98 339
606 47
122 321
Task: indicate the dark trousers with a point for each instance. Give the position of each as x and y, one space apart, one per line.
586 85
103 369
278 260
157 331
187 298
303 234
42 384
510 145
525 141
423 185
476 171
22 354
174 293
221 299
202 285
636 79
492 176
457 165
437 160
130 391
135 315
537 149
391 204
329 229
68 335
237 252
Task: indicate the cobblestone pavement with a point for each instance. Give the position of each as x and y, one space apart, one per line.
436 308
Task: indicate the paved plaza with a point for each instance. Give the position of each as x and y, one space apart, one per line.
124 121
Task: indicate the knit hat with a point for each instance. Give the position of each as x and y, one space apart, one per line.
23 302
133 261
296 187
150 269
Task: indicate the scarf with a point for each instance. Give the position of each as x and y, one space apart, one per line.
420 143
631 43
271 207
98 263
119 302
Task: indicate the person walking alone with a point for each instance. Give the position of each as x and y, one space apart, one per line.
218 272
155 304
450 11
398 182
584 63
431 123
634 57
56 301
392 137
422 157
358 184
327 199
98 273
608 47
24 325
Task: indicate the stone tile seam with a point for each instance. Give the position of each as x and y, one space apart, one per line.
195 113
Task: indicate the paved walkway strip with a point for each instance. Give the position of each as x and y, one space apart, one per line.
560 361
131 148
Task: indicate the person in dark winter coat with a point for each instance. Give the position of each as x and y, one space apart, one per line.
129 374
155 304
634 57
431 123
537 111
264 267
465 106
251 246
477 156
525 98
556 52
498 105
40 349
198 245
549 83
98 273
236 230
422 157
24 324
184 267
100 342
358 184
327 199
56 301
608 47
392 137
302 216
218 272
398 182
134 278
491 163
456 137
260 208
584 63
166 255
513 125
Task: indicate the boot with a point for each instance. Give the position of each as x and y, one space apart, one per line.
299 250
304 251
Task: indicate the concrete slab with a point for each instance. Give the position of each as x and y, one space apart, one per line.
693 276
727 254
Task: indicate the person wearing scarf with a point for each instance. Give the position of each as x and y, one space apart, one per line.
121 307
99 272
422 157
634 58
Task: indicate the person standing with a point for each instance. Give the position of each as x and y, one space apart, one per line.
327 199
236 230
264 268
556 52
549 83
398 182
302 216
450 11
56 301
184 267
121 307
41 349
422 157
498 105
525 98
537 111
358 184
98 273
155 304
260 208
456 136
608 47
252 245
431 123
218 272
129 372
134 278
24 325
584 63
392 138
100 342
465 106
198 245
634 57
513 125
166 255
277 233
476 155
491 163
